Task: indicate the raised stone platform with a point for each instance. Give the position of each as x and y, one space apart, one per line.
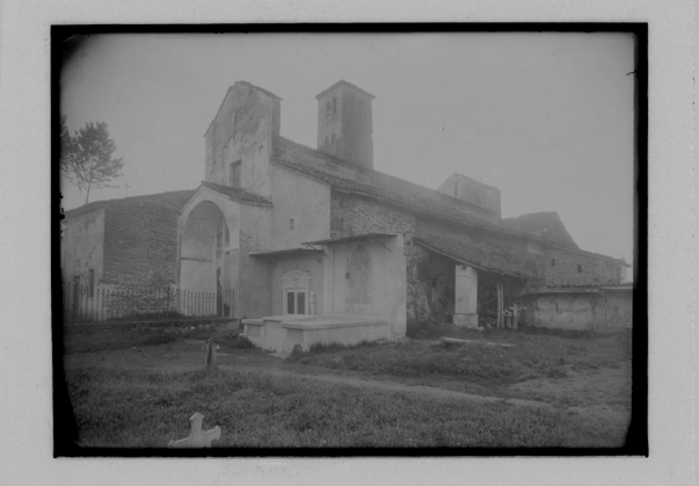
282 333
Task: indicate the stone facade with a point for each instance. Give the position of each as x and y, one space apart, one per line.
292 229
345 124
595 308
239 139
132 242
355 215
567 267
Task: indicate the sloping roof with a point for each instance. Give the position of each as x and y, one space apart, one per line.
174 200
345 239
545 225
282 253
237 194
350 178
482 255
382 186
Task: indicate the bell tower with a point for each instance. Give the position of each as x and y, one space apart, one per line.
344 124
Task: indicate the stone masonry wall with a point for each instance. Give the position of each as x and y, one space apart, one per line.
418 308
353 215
565 270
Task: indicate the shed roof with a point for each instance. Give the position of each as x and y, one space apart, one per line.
344 239
288 252
173 200
490 258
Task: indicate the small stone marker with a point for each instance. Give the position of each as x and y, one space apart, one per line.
197 438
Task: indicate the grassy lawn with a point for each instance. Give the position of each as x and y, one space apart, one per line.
147 408
144 399
534 354
86 339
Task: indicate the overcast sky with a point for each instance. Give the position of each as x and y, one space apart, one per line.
546 118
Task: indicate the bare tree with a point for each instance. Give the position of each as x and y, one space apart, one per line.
87 158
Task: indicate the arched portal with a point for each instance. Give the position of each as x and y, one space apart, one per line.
205 262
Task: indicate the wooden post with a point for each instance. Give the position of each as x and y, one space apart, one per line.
501 321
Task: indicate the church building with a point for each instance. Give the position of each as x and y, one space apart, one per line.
320 247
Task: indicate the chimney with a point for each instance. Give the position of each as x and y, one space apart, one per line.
344 124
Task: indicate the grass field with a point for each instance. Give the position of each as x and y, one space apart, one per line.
128 408
123 397
532 355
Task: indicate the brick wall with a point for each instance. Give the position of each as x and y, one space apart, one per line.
140 244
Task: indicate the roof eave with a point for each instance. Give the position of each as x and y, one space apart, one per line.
474 265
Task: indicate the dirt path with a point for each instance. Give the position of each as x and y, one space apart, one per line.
430 391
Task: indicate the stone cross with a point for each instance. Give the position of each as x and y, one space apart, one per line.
197 438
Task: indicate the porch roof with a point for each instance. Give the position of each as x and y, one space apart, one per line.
480 256
287 252
344 239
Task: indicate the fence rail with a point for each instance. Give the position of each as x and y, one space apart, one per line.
85 303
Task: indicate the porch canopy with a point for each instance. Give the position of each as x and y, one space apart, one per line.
485 257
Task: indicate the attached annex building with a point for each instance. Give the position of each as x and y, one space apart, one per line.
320 247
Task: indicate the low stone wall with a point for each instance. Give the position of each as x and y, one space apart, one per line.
284 333
601 311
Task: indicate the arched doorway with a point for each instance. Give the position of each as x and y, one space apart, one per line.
205 262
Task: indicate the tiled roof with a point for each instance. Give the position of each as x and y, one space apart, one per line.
237 194
344 239
382 186
545 225
488 255
174 200
359 180
574 288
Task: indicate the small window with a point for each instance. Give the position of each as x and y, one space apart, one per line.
579 268
234 174
290 303
553 262
328 112
334 106
291 223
